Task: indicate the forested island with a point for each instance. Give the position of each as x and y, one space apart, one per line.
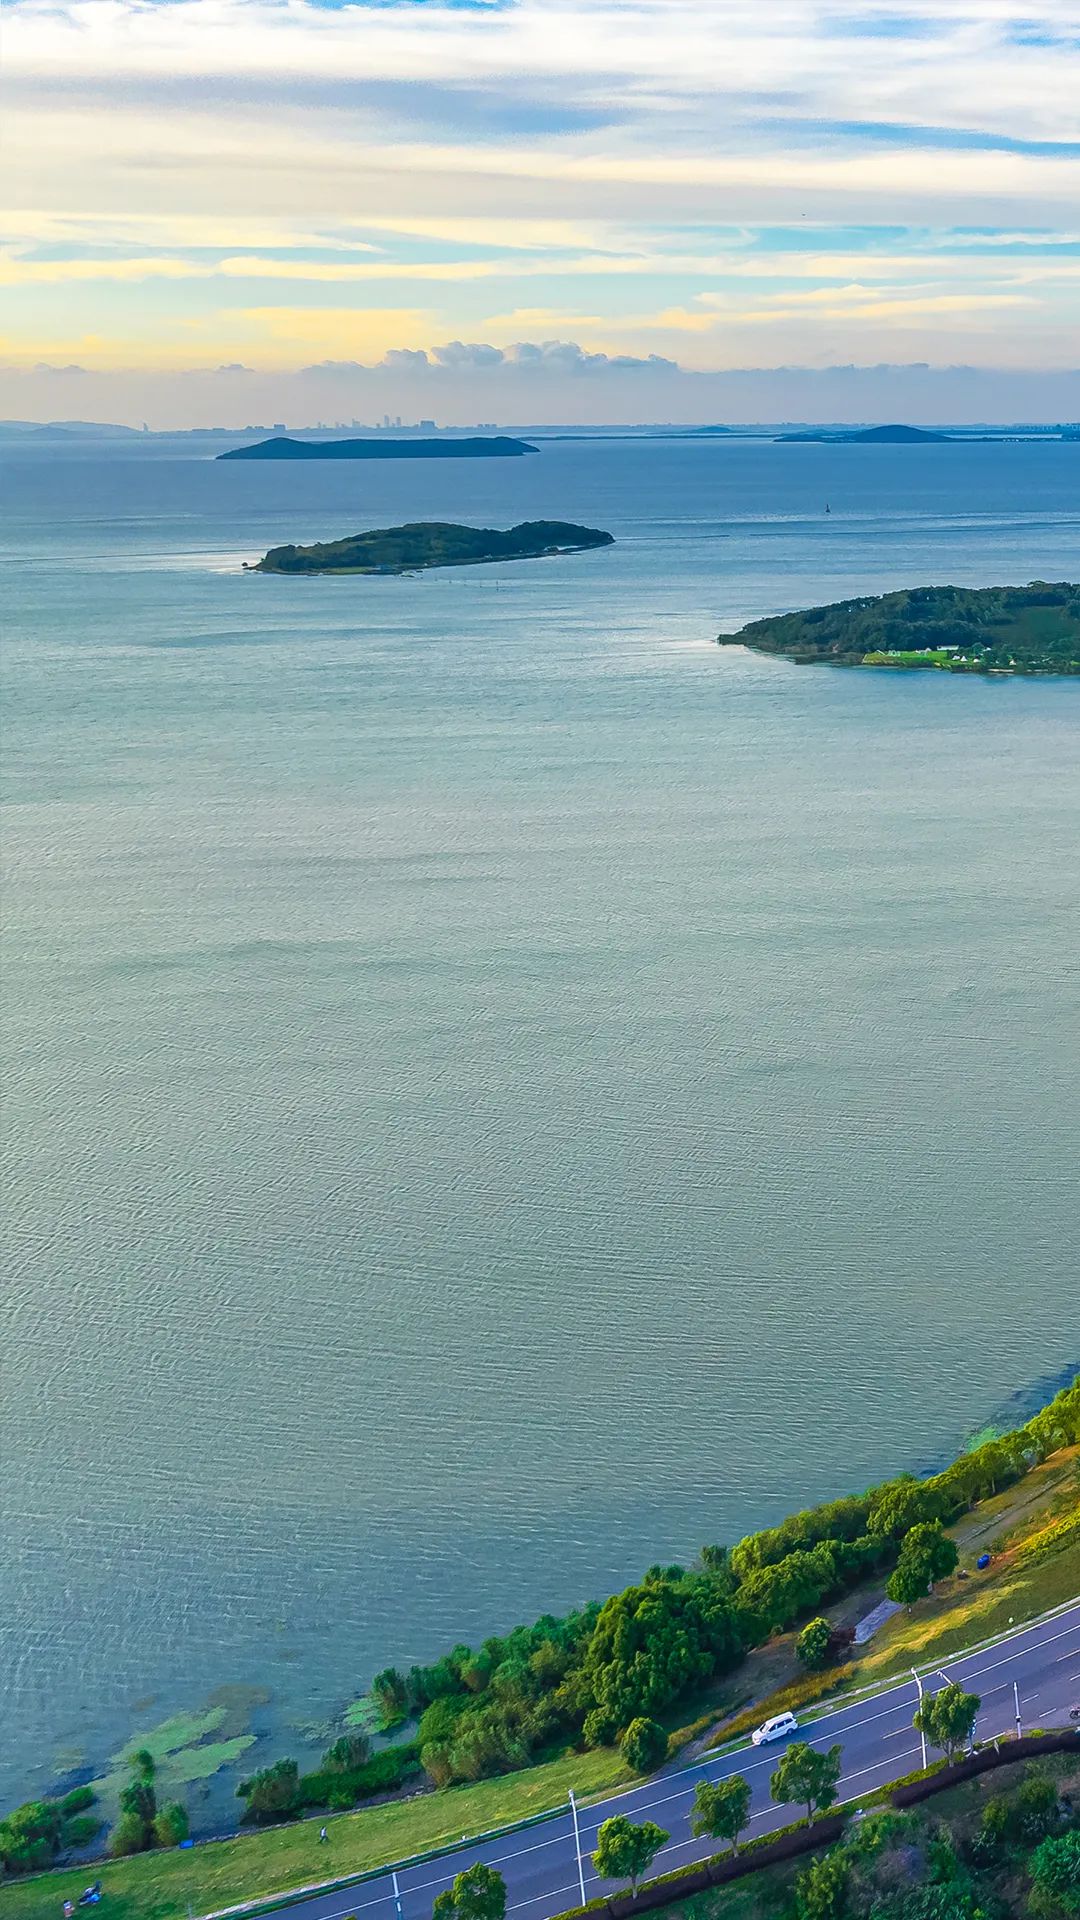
1032 629
478 447
432 543
894 436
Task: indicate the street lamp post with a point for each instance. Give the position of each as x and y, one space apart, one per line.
577 1846
922 1735
1016 1702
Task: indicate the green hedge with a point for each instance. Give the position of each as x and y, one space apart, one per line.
382 1774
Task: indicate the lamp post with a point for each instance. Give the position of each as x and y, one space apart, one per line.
577 1846
1016 1702
922 1735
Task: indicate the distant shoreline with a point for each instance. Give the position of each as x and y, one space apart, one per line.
280 447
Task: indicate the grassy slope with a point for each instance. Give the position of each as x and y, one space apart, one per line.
159 1886
1036 1566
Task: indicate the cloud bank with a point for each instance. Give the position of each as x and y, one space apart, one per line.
716 183
460 385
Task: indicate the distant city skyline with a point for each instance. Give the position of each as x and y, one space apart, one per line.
548 209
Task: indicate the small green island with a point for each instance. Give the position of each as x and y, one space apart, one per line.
432 543
999 630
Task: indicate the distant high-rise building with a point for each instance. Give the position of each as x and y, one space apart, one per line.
278 426
427 426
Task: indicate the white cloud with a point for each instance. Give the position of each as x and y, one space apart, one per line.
372 151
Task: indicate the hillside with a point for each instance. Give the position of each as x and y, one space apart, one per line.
1032 629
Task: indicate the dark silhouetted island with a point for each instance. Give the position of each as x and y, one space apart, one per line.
871 436
498 446
432 543
1033 629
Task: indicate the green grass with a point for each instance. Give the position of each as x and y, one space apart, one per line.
929 658
257 1865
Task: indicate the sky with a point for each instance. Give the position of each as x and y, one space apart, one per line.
541 210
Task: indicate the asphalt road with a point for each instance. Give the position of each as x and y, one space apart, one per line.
880 1744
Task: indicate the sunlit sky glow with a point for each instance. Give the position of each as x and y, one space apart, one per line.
272 184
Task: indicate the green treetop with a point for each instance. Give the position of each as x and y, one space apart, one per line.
805 1777
722 1809
624 1851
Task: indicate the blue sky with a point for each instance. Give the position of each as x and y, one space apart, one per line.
274 184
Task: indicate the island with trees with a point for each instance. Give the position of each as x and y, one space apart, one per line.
892 436
1000 630
432 543
468 447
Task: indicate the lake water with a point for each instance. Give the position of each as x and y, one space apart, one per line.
499 1089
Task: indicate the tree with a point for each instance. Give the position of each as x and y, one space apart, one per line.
478 1893
623 1851
812 1645
903 1504
926 1555
644 1745
347 1754
130 1835
390 1692
273 1793
821 1890
134 1831
805 1777
947 1719
30 1837
654 1640
722 1809
172 1825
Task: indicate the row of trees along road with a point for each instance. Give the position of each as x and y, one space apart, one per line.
805 1777
610 1673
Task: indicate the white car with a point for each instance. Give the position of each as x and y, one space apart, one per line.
774 1729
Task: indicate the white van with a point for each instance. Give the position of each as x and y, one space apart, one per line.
774 1729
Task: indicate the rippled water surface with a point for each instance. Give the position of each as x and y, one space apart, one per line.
500 1090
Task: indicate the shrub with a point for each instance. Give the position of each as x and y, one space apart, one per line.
342 1788
644 1745
599 1728
1055 1870
77 1801
171 1826
1037 1811
821 1889
130 1835
80 1830
347 1754
30 1837
812 1645
273 1793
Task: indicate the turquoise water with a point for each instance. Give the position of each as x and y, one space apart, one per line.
500 1090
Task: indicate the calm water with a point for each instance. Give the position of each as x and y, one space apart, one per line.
500 1090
